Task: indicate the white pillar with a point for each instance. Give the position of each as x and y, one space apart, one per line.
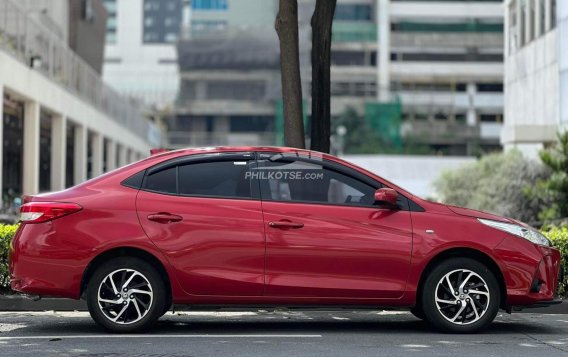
111 155
31 148
122 158
520 24
97 143
383 50
471 112
80 159
131 156
58 152
528 22
547 14
1 142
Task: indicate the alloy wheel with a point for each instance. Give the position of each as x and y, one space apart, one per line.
462 297
125 296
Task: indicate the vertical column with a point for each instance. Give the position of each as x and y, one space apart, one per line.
1 142
537 17
547 14
528 21
122 158
58 152
383 50
131 156
31 148
80 159
519 22
111 155
471 112
97 143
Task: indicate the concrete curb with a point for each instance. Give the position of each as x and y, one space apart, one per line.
26 303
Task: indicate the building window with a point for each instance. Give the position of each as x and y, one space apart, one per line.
208 25
110 6
353 12
162 20
209 4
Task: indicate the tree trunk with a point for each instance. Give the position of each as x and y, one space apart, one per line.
287 29
322 22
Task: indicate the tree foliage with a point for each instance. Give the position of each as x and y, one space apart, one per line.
553 190
496 183
361 138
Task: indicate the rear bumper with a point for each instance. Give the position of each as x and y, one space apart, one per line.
38 267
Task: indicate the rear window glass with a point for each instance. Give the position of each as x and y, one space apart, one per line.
162 181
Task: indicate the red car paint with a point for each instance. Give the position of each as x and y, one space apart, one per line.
235 251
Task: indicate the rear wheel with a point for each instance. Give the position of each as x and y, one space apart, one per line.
126 295
460 295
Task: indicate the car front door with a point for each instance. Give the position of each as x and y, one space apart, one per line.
205 215
325 236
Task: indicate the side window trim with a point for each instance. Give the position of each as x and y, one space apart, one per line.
194 159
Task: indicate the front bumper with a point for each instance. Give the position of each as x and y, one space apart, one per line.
531 272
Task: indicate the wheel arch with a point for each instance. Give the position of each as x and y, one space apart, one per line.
126 252
466 253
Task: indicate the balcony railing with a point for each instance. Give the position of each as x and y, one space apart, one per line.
33 44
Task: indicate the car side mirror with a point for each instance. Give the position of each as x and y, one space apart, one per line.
386 196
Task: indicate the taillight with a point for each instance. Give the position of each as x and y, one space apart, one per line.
38 212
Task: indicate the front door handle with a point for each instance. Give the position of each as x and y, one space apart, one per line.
163 218
285 224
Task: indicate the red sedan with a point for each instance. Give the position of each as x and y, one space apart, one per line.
272 227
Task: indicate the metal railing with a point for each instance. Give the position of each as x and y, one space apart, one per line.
182 139
38 47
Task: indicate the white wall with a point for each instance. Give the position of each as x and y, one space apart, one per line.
415 174
563 58
532 90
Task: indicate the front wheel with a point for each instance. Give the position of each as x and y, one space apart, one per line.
126 295
460 295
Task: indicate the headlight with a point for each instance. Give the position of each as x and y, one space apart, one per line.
527 233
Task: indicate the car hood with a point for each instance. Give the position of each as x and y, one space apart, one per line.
478 214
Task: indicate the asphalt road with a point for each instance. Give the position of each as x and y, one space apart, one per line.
280 333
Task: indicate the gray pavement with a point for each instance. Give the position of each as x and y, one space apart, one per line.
280 333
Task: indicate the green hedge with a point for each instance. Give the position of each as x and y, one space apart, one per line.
6 234
559 238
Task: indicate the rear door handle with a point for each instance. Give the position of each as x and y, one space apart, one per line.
164 218
285 224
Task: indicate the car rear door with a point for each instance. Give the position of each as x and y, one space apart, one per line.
204 213
325 235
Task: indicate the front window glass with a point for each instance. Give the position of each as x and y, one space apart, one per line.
301 181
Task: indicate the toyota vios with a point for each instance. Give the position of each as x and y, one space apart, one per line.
223 227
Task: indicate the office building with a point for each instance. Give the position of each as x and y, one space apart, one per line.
536 73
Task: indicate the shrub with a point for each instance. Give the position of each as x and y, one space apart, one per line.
559 238
496 183
6 234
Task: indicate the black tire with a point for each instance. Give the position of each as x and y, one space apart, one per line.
148 277
487 304
418 313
